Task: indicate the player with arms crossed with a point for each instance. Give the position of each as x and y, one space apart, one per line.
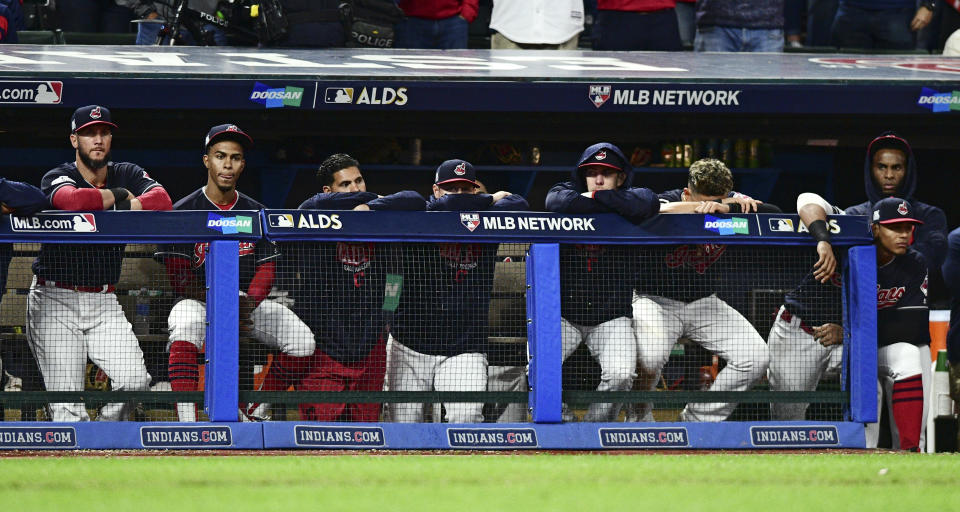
800 352
681 299
72 310
438 338
595 279
341 295
265 320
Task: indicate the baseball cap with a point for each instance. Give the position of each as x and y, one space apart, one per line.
89 115
229 132
606 158
888 140
892 210
456 170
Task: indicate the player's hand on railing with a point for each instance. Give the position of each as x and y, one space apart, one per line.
361 208
711 207
828 334
500 195
747 204
826 264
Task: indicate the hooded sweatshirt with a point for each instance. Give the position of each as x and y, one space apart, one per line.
930 238
595 280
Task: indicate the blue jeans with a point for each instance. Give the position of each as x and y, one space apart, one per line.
147 34
730 39
445 34
861 28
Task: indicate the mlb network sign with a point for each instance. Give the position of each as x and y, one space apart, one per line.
230 225
504 438
17 438
795 436
278 97
186 437
338 437
644 437
35 92
939 101
731 226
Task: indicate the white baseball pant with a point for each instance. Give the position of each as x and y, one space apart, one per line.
897 362
409 370
797 363
64 328
508 378
614 346
714 325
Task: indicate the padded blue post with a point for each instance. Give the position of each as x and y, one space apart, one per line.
543 332
223 331
860 317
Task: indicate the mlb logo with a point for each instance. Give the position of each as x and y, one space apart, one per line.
781 225
599 94
470 220
338 95
284 220
84 223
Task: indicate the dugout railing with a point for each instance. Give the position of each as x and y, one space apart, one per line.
545 233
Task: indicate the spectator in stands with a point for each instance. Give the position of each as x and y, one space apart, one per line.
887 24
94 16
340 295
313 24
154 14
636 25
739 26
11 20
536 24
436 24
439 334
951 48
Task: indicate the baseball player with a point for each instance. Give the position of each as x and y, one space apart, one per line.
595 279
341 296
889 169
265 320
681 300
438 337
951 275
72 311
807 337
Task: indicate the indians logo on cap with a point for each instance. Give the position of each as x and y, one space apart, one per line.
233 128
95 113
902 209
470 220
599 94
460 170
600 155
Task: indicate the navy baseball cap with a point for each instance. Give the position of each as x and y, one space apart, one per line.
229 132
606 158
893 210
88 116
888 140
456 170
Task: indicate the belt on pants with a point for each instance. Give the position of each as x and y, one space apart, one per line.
106 288
787 317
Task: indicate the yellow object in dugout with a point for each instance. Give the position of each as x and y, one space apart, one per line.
254 10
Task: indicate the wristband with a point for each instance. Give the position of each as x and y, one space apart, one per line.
121 205
119 194
734 208
818 230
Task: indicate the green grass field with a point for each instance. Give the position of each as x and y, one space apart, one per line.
586 482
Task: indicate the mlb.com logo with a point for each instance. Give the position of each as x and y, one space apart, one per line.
731 226
939 101
45 93
55 223
276 97
230 225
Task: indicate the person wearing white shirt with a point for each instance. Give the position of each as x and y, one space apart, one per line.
536 24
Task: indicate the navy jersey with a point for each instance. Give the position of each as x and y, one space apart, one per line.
252 254
445 298
902 312
87 264
342 285
816 303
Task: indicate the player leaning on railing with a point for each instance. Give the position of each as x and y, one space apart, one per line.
265 320
72 311
596 280
686 292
